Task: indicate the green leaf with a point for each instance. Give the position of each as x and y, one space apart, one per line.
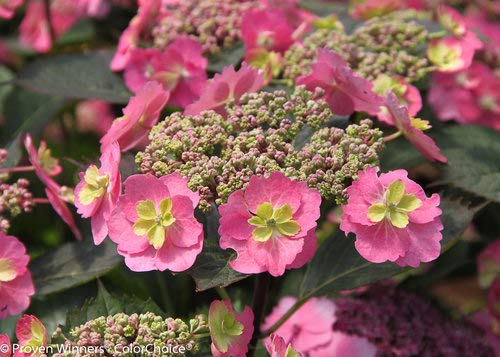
212 268
458 212
6 76
27 111
77 76
105 304
338 266
400 154
227 57
71 265
13 153
473 159
83 31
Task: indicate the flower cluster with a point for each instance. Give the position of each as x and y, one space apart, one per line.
400 323
15 199
122 332
383 45
214 23
264 132
471 96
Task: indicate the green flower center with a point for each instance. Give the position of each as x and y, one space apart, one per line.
47 162
396 206
224 327
273 222
151 222
443 56
96 186
7 270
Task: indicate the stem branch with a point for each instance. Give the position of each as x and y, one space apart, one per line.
10 170
391 137
298 304
259 305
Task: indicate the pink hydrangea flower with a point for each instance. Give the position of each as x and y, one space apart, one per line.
451 54
309 330
277 347
346 91
16 285
469 97
392 218
139 116
97 193
32 336
488 264
371 8
180 68
297 17
6 349
35 28
58 196
229 85
270 224
266 28
8 7
94 116
230 332
412 129
129 40
407 94
154 225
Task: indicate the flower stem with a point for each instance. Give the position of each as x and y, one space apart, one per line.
392 136
201 335
42 201
223 293
437 35
10 170
261 290
298 304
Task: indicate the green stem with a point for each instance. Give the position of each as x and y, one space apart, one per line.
165 297
223 293
202 335
392 136
437 35
261 290
298 304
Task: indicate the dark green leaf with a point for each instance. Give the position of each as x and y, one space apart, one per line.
13 153
338 266
211 268
106 304
79 76
458 212
82 31
6 76
227 57
27 111
400 154
473 159
73 264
